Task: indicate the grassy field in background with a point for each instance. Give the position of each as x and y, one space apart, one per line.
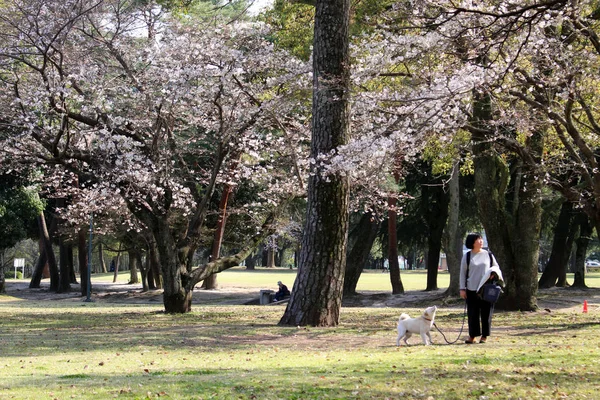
75 350
370 280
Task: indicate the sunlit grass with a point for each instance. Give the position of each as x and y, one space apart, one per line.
97 350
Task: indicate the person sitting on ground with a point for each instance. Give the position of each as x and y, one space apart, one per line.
282 293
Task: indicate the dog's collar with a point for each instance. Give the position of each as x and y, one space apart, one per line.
426 319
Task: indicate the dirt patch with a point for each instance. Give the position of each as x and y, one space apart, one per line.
554 299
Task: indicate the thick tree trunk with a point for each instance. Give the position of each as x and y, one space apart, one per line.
512 229
452 235
561 247
317 294
360 242
176 297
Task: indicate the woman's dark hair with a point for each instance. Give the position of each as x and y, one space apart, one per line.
471 238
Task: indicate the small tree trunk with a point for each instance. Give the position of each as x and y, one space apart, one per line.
251 262
47 242
38 270
117 263
561 247
144 270
360 242
270 257
134 261
396 281
453 235
83 262
211 281
154 277
585 236
72 276
64 285
2 277
101 258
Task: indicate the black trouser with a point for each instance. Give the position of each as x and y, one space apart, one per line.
479 313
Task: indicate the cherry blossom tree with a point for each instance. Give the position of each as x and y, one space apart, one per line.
148 114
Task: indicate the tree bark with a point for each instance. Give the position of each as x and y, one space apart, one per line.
101 258
134 263
585 236
117 263
317 294
211 281
360 242
82 255
512 228
270 257
453 236
154 276
434 204
50 258
561 247
72 276
395 280
64 282
38 270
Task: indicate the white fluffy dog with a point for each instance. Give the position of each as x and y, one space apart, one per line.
421 325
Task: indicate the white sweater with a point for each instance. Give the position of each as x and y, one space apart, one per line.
479 270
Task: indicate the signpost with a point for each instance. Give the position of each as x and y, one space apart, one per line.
19 263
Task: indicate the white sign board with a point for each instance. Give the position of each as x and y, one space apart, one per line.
19 263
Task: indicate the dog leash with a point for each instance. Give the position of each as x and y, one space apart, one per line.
461 328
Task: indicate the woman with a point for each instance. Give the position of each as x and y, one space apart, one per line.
480 268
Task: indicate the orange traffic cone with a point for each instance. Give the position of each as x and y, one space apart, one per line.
585 306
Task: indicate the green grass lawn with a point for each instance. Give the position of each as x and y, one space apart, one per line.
76 350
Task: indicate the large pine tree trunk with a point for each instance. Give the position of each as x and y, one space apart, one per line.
360 242
317 294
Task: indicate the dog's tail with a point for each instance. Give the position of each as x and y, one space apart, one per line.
403 316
